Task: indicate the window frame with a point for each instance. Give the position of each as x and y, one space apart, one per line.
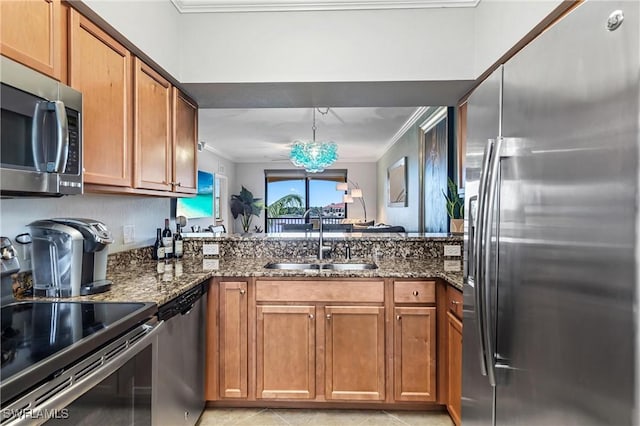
339 175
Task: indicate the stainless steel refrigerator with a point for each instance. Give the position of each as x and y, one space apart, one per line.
552 237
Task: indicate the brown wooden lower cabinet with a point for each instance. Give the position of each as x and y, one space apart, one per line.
314 340
454 339
285 352
354 353
415 353
233 339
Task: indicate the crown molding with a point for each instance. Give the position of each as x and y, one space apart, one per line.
217 152
438 114
402 130
212 6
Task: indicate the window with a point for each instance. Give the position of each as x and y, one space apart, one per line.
289 193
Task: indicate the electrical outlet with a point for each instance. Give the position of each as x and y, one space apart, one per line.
210 249
128 234
210 264
452 266
451 250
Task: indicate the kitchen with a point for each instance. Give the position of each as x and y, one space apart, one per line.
148 212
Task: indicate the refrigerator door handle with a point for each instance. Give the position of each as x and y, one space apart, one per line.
478 253
488 215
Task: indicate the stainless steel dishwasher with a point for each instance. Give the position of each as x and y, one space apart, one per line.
180 360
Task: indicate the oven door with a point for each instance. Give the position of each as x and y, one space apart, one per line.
112 386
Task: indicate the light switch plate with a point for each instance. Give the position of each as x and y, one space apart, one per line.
451 250
128 234
210 249
452 266
210 264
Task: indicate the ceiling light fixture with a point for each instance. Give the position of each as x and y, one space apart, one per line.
356 192
314 156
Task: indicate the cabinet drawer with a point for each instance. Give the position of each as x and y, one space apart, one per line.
320 291
414 292
454 302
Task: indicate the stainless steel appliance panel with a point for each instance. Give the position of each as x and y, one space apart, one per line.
567 224
179 373
41 138
483 110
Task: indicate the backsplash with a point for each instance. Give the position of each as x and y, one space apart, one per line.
418 247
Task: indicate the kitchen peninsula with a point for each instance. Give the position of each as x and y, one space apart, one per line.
374 338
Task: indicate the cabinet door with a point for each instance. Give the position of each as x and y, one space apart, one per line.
30 33
415 354
152 124
454 373
286 352
185 139
354 353
233 339
100 68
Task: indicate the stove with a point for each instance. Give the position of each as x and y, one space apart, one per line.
40 339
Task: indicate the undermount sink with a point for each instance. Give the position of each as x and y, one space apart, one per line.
350 266
275 265
327 266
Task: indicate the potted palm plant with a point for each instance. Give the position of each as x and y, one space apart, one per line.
246 206
455 207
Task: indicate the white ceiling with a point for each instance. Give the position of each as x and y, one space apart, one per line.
266 134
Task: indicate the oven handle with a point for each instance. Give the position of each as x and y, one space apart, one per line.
79 388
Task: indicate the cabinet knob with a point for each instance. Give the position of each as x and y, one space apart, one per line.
416 292
178 184
310 316
455 302
398 317
243 291
328 316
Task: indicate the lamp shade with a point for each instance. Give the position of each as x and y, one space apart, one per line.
347 199
342 186
356 193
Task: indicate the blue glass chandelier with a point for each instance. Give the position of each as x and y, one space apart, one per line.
314 156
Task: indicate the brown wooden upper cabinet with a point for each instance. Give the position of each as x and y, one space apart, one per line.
152 129
100 68
31 33
185 139
140 132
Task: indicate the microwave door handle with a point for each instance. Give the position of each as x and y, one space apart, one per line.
62 132
37 145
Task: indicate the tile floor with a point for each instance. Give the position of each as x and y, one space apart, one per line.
269 417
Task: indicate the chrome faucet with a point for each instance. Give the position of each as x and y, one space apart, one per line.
323 250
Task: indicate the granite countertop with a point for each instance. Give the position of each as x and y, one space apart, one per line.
151 281
327 235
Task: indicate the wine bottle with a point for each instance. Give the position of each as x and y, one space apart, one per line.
158 247
178 243
167 240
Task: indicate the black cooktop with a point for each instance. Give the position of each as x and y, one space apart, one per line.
41 338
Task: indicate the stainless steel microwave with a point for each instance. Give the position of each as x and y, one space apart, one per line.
41 136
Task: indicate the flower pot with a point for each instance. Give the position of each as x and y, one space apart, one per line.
456 226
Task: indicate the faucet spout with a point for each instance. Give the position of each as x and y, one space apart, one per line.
322 250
